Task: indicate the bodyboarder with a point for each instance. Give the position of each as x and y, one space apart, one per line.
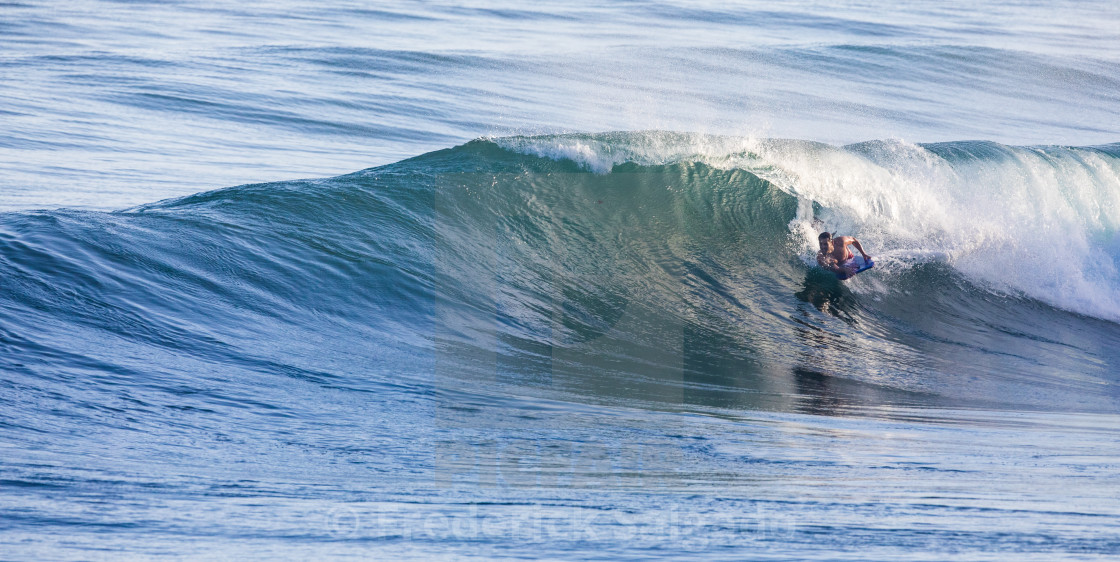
837 258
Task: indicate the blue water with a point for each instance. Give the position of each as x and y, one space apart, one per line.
536 281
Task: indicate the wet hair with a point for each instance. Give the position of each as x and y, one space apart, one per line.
824 236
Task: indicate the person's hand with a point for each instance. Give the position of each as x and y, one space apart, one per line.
866 257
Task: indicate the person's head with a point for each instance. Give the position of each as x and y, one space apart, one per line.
825 240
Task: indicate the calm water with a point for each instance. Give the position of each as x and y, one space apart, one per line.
560 302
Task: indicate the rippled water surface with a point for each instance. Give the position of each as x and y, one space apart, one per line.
112 104
505 280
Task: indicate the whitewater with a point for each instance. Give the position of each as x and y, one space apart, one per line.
484 280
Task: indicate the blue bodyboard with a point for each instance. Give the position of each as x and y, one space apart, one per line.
856 265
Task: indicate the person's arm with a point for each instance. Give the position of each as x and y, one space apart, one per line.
826 261
854 242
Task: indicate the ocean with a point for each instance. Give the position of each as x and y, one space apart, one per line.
500 280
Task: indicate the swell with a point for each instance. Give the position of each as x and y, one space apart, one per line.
681 279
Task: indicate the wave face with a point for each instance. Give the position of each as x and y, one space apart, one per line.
1035 221
653 265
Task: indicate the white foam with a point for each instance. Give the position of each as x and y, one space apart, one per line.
601 152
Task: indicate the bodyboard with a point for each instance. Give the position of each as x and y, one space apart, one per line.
856 265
